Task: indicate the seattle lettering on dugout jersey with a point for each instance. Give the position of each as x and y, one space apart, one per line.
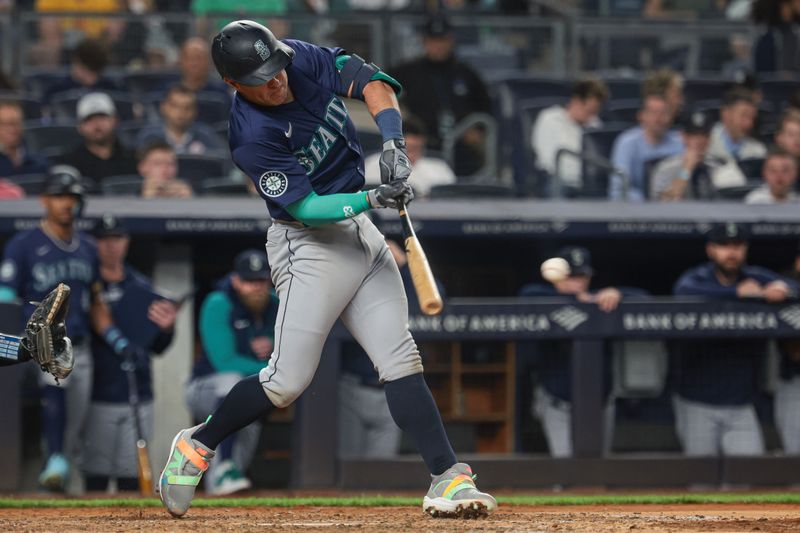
33 264
309 144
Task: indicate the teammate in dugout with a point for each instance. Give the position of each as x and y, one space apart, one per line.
34 263
716 380
237 331
148 321
290 132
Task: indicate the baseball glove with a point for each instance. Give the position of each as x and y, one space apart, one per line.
46 335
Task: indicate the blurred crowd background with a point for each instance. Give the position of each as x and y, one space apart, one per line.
620 100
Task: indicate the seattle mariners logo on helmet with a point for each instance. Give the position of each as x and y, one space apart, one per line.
273 183
261 49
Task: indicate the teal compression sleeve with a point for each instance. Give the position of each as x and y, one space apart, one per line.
315 210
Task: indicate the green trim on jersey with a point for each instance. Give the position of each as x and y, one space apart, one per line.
380 75
315 210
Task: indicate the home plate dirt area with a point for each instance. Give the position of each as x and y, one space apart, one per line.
527 518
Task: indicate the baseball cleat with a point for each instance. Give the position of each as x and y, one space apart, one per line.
453 494
188 459
55 473
227 479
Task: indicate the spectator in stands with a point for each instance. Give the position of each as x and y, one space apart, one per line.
442 90
788 135
148 321
366 427
716 380
730 137
158 167
693 173
179 126
669 84
561 127
237 331
552 399
15 159
100 155
780 176
10 190
778 49
89 60
427 171
652 139
195 67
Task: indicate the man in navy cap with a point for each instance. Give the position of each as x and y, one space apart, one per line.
552 403
146 322
716 380
237 328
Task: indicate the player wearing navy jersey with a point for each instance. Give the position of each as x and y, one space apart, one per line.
290 132
34 263
148 320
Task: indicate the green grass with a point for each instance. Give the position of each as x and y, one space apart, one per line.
384 501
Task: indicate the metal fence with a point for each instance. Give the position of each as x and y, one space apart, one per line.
561 46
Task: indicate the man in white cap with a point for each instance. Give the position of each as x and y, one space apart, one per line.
100 155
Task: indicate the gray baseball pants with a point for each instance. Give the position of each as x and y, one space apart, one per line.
707 430
111 438
366 427
787 414
323 273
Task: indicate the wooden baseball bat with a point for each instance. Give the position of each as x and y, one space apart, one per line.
430 301
142 459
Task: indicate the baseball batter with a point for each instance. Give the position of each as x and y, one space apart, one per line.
290 132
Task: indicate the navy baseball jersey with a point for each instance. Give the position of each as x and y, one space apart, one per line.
33 264
128 300
309 144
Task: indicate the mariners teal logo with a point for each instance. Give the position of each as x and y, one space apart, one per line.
273 183
324 137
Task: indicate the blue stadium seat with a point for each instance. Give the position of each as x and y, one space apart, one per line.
196 168
623 110
222 186
704 89
64 105
40 138
598 144
142 83
751 168
32 184
31 107
127 185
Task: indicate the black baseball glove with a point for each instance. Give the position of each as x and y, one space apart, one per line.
391 194
46 335
394 162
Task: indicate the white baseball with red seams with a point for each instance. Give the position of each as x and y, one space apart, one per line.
555 269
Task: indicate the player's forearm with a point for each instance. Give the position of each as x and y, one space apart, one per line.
379 96
315 210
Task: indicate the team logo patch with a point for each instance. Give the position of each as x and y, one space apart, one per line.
8 270
273 183
261 49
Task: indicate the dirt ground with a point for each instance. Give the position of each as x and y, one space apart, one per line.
672 518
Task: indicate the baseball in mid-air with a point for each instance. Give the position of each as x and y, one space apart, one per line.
555 269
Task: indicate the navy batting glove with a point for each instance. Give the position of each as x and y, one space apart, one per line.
394 161
392 194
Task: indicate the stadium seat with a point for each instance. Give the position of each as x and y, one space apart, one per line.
739 192
778 92
624 88
623 110
471 190
144 82
598 144
212 108
61 137
36 81
526 175
704 89
751 168
222 186
128 131
31 108
32 184
64 105
127 185
195 168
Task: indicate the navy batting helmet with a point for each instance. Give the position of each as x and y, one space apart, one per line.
63 179
248 53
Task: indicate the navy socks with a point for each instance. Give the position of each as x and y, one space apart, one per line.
54 418
244 404
415 412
